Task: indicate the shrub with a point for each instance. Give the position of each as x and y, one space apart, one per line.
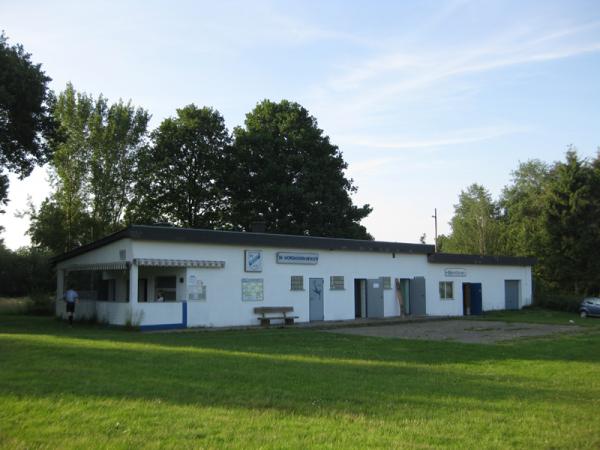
42 304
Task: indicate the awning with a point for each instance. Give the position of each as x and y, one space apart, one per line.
155 262
119 265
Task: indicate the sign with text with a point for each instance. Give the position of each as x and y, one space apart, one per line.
297 258
252 290
455 272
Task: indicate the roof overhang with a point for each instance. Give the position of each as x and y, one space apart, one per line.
214 237
155 262
118 265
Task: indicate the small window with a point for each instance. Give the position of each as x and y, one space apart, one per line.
168 287
297 283
446 291
387 282
336 283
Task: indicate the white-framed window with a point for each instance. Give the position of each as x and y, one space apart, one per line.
297 283
446 290
336 283
387 282
168 286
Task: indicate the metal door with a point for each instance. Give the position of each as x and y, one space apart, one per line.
511 294
476 300
417 297
315 299
375 298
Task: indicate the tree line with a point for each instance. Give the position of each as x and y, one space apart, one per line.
549 211
108 169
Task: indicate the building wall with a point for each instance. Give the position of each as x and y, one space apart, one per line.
105 254
223 305
492 287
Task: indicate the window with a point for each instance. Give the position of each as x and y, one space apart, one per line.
387 282
168 287
446 291
297 283
336 283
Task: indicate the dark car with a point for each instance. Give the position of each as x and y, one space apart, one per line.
590 307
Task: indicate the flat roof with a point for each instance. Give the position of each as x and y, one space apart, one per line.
456 258
203 236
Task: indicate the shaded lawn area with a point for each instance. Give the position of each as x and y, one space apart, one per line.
295 388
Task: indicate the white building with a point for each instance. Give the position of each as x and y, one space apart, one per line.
217 278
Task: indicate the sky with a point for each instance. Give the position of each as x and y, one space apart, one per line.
423 98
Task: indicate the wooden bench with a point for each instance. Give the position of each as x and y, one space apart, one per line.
282 311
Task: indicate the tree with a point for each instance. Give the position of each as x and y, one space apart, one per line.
522 207
95 149
284 171
178 176
70 166
572 221
117 133
25 121
475 226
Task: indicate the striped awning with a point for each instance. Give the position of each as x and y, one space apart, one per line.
155 262
119 265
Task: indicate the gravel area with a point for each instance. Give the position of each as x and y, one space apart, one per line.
468 331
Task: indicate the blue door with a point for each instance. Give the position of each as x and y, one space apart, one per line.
476 302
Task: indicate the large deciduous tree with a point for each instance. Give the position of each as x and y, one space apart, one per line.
284 171
25 121
475 226
522 205
92 170
179 175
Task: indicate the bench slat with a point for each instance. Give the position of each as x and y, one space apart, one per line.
273 309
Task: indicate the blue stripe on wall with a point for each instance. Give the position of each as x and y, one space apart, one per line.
169 326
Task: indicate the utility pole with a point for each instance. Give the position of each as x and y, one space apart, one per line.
435 220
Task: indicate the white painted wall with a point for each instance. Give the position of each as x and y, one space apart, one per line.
492 287
105 254
224 306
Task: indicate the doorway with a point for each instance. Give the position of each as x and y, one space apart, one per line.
472 300
375 298
315 299
360 298
512 289
418 299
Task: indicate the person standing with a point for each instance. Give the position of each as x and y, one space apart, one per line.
71 297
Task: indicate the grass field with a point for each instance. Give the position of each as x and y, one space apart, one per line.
93 387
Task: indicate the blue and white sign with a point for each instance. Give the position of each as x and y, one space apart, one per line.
455 272
297 258
253 260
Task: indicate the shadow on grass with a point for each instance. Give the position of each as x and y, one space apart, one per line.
54 366
306 342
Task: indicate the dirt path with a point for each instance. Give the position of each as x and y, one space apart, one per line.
468 331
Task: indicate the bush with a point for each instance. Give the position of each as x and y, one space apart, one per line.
42 304
26 272
559 302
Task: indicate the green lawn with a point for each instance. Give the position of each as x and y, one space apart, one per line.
93 387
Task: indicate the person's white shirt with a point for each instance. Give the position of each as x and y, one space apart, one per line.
160 298
71 296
